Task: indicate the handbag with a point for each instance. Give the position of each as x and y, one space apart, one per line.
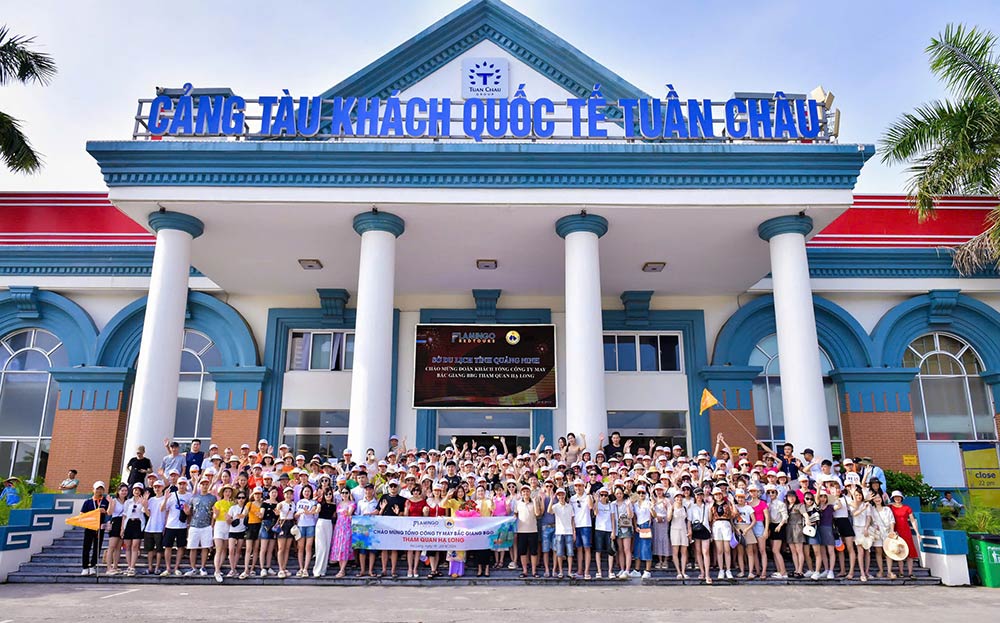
182 515
296 532
645 533
809 531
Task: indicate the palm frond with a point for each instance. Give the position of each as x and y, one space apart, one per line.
982 252
18 62
954 148
15 149
965 60
975 255
931 124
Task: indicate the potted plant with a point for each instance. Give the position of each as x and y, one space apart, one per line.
982 525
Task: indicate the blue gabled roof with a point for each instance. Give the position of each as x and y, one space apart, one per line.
484 20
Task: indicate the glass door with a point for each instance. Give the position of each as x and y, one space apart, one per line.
664 428
315 432
485 428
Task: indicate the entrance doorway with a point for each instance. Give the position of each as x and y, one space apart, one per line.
484 428
664 428
315 432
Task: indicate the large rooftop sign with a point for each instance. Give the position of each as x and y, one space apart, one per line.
190 112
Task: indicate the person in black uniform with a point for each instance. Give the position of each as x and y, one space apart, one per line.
391 505
138 466
92 539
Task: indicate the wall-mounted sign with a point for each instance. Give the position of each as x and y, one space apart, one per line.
910 459
186 113
486 78
484 367
982 473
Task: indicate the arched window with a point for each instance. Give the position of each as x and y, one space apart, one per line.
950 400
767 410
196 392
27 400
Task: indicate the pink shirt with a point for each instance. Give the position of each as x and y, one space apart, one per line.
759 510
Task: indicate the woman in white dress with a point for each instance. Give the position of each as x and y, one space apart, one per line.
680 534
861 520
883 523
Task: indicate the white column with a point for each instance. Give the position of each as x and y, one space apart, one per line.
371 377
586 408
802 399
157 373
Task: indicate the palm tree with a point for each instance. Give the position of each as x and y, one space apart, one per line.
954 146
21 64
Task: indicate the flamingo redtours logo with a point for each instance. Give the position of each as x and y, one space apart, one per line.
484 78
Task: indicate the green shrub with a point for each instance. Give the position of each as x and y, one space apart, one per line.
912 486
979 519
25 492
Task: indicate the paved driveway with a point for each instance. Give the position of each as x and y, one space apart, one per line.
521 604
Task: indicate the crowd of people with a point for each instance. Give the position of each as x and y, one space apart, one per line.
614 511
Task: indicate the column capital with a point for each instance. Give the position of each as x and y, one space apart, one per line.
790 224
379 221
176 220
592 223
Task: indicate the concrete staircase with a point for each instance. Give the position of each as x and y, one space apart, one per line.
60 562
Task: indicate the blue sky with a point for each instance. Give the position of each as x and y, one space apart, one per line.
870 54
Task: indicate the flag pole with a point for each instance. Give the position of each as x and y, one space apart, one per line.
717 403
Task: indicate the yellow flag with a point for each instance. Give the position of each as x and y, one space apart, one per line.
707 400
90 520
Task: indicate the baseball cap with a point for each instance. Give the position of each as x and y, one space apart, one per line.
100 485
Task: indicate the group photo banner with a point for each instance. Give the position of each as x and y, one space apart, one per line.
375 532
484 367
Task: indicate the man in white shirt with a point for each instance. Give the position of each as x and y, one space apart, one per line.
583 509
528 510
565 530
175 529
152 537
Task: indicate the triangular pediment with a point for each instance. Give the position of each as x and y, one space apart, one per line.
485 27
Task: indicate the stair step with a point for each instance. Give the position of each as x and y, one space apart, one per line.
330 580
60 563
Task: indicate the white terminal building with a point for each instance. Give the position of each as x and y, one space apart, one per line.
252 282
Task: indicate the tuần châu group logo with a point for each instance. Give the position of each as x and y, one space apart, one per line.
485 78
